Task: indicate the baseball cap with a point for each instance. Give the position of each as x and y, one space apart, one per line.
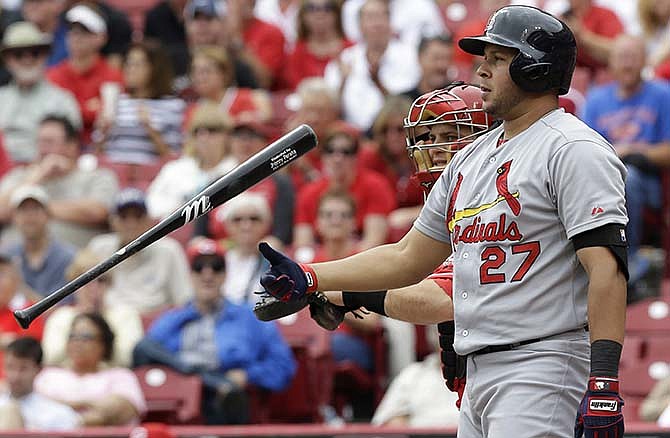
130 197
87 17
24 193
24 34
152 430
209 8
204 247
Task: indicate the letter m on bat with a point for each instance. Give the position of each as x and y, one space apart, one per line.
196 208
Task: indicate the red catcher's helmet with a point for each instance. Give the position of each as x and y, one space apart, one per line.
459 105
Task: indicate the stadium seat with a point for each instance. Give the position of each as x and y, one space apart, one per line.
351 380
172 398
311 388
639 378
648 317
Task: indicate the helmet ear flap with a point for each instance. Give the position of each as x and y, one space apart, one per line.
530 75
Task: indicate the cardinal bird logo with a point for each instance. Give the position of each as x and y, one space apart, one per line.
504 195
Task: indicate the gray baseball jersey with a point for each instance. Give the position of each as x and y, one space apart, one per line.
509 212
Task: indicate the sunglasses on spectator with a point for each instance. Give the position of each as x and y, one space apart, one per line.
252 218
210 129
320 7
328 150
331 214
86 337
216 265
33 52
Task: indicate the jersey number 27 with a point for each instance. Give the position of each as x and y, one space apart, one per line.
495 257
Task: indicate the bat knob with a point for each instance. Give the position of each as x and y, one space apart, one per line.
23 318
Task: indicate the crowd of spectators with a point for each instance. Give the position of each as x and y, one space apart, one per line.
179 92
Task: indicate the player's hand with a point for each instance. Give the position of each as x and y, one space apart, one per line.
599 414
286 280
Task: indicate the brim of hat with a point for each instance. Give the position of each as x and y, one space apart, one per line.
45 45
475 45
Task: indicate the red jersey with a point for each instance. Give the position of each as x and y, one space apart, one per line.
371 192
408 191
267 42
443 275
85 86
600 21
303 63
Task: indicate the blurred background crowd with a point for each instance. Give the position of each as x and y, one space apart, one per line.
114 113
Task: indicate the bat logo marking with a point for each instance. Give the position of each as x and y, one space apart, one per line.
282 158
196 209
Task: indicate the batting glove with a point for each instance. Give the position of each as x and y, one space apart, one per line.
599 414
286 280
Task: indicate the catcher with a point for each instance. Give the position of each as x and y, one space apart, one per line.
438 125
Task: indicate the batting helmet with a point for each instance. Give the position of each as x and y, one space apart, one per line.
546 45
459 105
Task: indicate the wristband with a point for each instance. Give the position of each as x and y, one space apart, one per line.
605 356
373 301
310 275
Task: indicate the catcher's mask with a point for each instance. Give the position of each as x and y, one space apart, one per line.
439 124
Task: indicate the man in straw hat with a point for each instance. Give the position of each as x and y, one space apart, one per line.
25 50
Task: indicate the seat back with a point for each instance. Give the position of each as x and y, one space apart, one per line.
650 316
172 398
311 388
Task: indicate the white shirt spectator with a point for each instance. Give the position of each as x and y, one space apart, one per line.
178 181
399 71
419 392
42 413
155 277
410 20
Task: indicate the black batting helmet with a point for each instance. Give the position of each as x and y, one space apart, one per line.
547 47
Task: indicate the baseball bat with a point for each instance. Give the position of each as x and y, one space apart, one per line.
261 165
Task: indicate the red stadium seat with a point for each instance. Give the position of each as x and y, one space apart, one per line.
351 380
311 388
648 317
172 398
637 379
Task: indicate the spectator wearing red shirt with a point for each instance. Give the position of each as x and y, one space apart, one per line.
85 71
257 42
474 25
12 298
387 154
373 194
5 160
595 28
320 39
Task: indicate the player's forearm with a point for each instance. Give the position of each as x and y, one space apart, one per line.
607 302
385 267
423 303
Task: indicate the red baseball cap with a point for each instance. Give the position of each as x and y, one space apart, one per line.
204 247
152 430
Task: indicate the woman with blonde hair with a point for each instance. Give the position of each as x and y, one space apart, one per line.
213 80
206 158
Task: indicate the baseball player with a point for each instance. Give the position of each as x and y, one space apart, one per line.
534 213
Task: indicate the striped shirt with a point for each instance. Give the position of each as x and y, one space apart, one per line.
129 141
